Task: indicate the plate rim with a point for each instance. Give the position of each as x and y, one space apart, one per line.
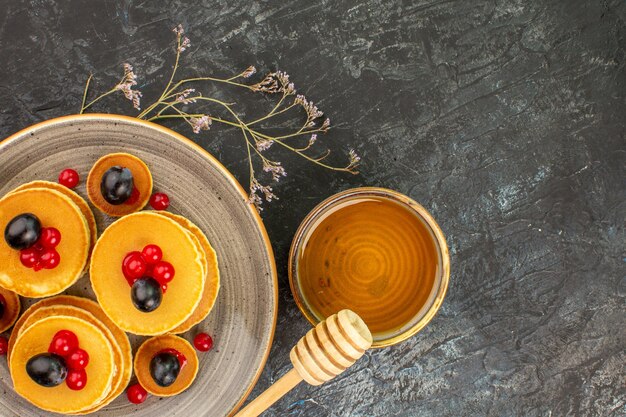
225 172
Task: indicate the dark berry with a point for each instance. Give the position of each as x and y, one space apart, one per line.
50 237
69 178
4 345
22 231
163 272
76 379
63 343
164 368
77 359
159 201
49 259
133 265
203 342
146 294
117 185
136 394
152 254
47 369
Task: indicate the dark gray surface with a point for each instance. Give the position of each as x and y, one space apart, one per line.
505 119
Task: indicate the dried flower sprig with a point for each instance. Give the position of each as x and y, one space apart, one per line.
126 84
177 97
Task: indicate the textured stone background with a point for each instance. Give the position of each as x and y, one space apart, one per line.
505 118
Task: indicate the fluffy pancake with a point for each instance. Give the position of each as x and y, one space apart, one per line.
12 308
212 274
154 345
126 363
76 199
53 209
65 310
60 399
132 233
142 180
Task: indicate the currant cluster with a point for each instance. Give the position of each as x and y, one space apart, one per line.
148 275
65 362
37 244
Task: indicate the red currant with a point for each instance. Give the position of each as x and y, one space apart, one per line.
159 201
50 259
152 254
29 257
63 343
50 237
163 272
164 288
76 379
133 266
77 360
4 345
182 359
134 197
136 394
203 342
131 281
69 178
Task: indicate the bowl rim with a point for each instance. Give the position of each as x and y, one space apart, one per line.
397 197
215 162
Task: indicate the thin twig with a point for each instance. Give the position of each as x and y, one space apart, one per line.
82 104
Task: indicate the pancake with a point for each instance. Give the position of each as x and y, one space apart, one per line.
212 277
142 181
53 209
11 311
65 310
132 233
154 345
76 199
126 364
60 399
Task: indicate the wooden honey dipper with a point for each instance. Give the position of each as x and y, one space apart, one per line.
323 353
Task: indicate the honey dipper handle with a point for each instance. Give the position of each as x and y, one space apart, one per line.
271 395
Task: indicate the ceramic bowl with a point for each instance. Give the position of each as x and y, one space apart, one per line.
421 313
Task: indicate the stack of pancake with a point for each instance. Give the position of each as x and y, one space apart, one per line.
101 326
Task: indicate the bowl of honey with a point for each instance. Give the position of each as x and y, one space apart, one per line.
376 252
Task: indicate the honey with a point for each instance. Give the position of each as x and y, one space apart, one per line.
374 256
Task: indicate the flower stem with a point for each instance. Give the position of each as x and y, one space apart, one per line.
82 104
172 116
219 80
243 126
166 91
317 161
272 113
100 97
